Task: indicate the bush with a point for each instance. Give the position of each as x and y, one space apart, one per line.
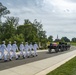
18 38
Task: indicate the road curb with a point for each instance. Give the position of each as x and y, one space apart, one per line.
45 71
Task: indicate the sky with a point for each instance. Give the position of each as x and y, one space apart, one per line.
57 16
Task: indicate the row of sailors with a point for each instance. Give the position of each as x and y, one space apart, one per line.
25 50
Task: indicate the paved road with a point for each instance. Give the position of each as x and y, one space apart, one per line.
41 55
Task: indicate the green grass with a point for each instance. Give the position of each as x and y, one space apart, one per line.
73 44
69 68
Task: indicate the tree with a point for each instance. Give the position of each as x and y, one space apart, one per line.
33 32
40 33
8 29
73 39
27 21
28 31
39 28
65 39
3 11
12 21
19 38
50 38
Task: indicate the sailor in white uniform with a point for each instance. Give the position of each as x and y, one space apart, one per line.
9 47
3 48
0 52
14 48
21 47
30 48
35 47
26 48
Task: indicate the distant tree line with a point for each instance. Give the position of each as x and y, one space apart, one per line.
63 39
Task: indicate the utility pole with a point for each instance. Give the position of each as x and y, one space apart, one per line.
57 37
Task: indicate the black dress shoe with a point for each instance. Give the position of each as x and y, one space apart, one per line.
33 55
16 58
5 60
10 59
19 56
36 55
27 56
23 57
0 59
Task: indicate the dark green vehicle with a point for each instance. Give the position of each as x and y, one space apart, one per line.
58 47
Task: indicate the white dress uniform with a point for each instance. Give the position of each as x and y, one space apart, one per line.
9 48
35 46
2 49
21 47
31 47
14 48
26 48
0 52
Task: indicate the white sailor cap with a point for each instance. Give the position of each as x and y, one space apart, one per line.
3 41
26 42
35 42
9 41
14 41
22 42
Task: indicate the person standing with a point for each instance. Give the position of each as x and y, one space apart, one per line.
21 47
2 49
35 47
9 47
14 48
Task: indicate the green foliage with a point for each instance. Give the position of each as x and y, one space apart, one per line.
73 39
50 38
27 22
65 39
3 11
33 32
28 31
8 28
19 38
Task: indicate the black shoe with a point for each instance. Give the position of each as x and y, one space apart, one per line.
5 60
33 55
10 59
16 58
27 56
36 55
19 56
23 57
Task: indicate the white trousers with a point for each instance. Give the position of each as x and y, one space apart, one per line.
30 51
26 53
3 55
22 53
10 55
14 54
35 52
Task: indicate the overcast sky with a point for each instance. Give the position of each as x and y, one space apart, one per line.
57 16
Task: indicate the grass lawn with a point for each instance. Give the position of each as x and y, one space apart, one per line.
73 44
69 68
